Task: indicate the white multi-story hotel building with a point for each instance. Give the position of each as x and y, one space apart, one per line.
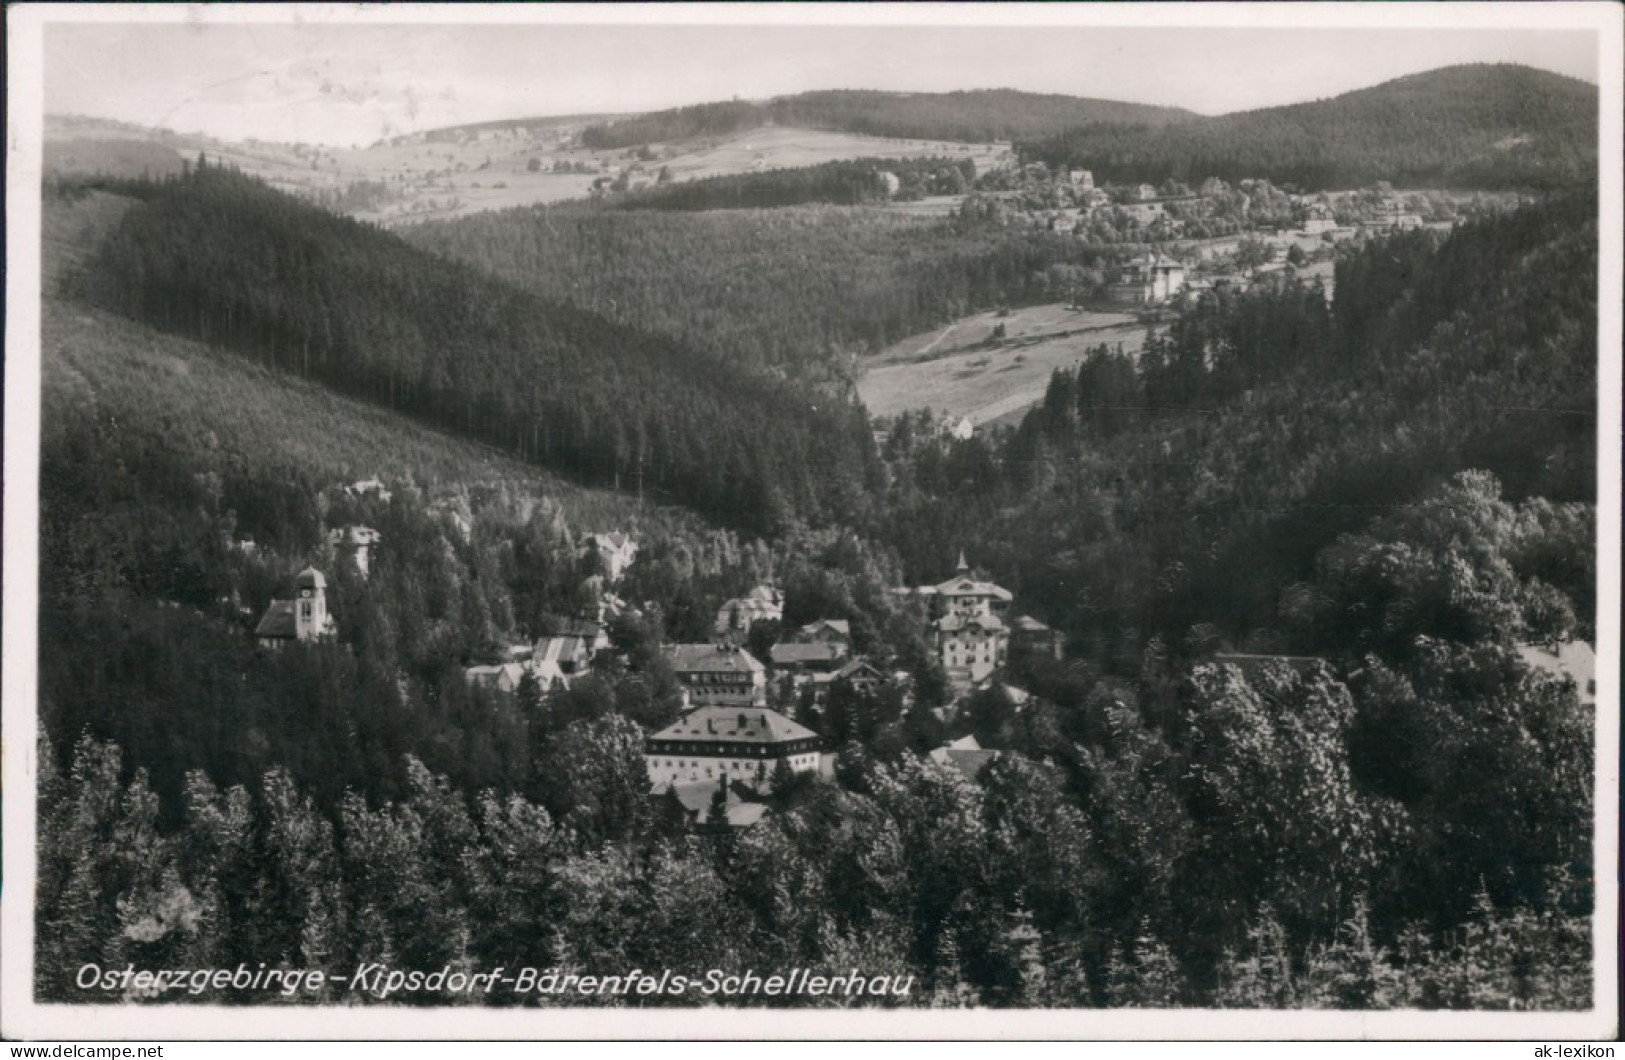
744 744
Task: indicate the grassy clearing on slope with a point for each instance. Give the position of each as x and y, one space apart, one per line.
958 372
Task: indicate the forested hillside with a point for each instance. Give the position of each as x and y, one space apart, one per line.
1461 127
795 290
1267 423
221 258
982 116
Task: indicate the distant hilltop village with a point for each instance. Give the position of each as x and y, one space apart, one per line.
1202 236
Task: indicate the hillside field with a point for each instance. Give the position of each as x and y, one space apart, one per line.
955 371
787 148
455 172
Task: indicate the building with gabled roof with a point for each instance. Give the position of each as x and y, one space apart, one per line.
302 618
739 614
696 799
369 487
860 673
719 674
825 630
971 646
1318 218
569 655
356 542
744 744
1148 280
589 632
964 593
503 677
818 657
615 551
1028 634
964 755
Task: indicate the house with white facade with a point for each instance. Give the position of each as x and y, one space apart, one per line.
737 615
719 674
355 542
969 633
615 552
744 744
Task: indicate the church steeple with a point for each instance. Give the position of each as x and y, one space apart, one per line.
963 566
311 619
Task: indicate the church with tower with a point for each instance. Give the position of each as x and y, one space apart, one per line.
303 618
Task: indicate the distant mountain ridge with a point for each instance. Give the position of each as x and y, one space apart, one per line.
978 116
1485 125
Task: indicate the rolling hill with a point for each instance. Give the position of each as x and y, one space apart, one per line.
255 424
1486 126
221 258
969 117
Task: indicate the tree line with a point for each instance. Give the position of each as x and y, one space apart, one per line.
854 182
983 116
1040 884
1462 127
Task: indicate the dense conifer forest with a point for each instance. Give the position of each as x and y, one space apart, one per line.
1464 127
1396 488
330 299
798 291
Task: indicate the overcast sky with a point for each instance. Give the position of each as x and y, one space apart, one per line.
317 81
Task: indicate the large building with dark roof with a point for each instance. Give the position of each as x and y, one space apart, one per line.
744 744
719 675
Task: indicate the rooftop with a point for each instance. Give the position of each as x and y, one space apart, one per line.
839 625
965 755
696 799
756 725
279 621
711 658
801 654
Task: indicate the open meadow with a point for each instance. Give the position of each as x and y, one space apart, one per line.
960 370
455 172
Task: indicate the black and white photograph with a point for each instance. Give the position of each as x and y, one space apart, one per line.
746 521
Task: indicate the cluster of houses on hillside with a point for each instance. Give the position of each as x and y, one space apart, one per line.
729 748
727 731
729 740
